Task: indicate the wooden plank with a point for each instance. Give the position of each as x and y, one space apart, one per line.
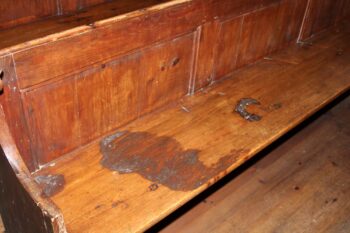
209 34
228 47
10 99
53 28
300 186
15 12
258 35
201 140
93 103
321 14
46 62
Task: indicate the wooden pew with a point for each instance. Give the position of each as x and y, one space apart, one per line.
114 114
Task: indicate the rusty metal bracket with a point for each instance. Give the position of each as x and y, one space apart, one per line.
241 109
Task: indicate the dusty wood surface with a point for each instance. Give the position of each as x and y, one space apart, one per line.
96 197
302 185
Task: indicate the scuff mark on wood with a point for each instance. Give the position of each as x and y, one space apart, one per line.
185 109
50 184
160 159
241 109
175 61
122 204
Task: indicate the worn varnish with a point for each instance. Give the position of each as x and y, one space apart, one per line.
301 185
160 159
285 90
169 74
50 184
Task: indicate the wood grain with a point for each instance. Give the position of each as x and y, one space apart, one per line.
322 14
46 62
105 97
15 12
95 196
257 35
228 46
10 97
300 186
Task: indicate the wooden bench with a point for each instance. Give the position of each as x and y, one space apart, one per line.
116 115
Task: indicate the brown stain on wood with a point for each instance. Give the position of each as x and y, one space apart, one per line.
50 184
160 159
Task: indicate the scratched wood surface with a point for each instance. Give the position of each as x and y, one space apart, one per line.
302 185
96 197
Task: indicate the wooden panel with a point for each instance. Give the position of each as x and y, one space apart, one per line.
289 21
270 29
258 35
321 15
209 34
14 12
302 185
216 139
65 115
167 71
227 51
11 101
52 119
50 60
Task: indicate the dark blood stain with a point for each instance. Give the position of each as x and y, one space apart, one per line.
50 184
241 109
161 160
153 187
